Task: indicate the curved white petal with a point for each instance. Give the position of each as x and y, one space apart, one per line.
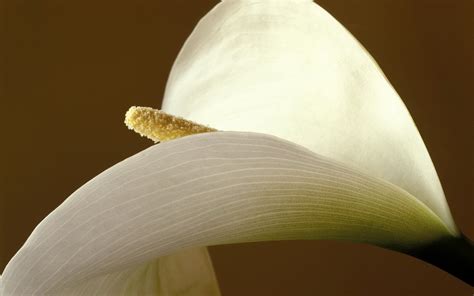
187 272
207 189
288 68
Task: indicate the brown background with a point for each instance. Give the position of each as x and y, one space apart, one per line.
72 68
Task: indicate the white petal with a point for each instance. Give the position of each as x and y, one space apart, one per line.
207 189
187 272
288 68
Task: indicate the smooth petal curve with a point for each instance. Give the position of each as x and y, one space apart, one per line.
289 69
169 275
208 189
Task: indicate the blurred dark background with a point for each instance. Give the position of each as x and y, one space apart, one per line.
70 69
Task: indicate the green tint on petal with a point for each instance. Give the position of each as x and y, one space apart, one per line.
289 69
201 190
186 272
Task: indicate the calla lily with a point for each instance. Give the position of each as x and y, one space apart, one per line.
313 143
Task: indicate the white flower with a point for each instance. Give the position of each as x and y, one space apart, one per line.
314 144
